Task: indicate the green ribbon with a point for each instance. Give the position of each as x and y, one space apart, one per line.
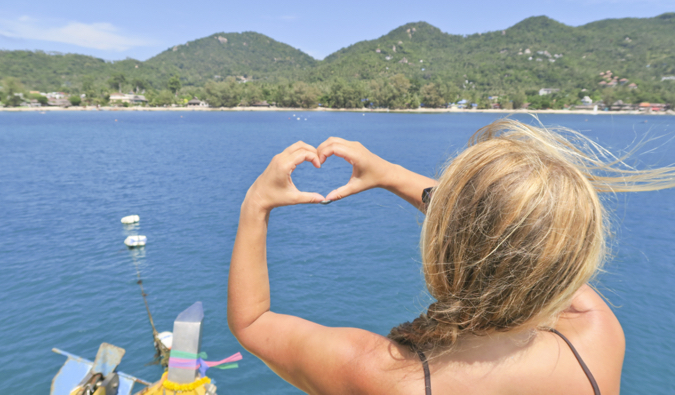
226 366
183 354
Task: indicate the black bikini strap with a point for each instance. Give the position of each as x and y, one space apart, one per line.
596 389
427 375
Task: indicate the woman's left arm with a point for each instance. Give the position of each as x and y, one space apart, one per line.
312 357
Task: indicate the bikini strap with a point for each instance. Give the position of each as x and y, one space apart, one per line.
427 375
596 389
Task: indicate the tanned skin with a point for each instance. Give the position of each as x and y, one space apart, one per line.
324 360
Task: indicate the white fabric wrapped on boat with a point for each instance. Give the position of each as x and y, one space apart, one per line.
166 338
135 241
131 219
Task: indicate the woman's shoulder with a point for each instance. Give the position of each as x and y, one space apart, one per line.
595 332
589 318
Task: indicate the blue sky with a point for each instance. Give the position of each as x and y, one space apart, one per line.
118 29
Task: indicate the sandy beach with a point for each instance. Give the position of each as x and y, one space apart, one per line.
360 110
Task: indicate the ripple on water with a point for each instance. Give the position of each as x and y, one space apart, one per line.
68 281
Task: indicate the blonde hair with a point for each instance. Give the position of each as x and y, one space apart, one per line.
514 228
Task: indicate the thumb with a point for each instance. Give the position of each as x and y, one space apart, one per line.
310 197
342 192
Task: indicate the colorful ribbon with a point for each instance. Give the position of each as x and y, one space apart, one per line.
185 360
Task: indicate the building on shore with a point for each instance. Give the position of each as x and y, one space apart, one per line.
59 102
619 105
197 103
547 91
652 107
131 98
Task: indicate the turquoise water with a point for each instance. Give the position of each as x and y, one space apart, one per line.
67 280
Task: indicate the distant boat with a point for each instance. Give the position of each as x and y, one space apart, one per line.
135 241
130 219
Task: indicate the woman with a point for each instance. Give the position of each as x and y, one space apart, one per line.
514 232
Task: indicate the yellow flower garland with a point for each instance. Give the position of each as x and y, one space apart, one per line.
170 385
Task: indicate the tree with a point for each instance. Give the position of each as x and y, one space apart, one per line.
174 83
75 100
519 100
414 101
12 92
252 94
608 96
431 97
116 80
88 88
223 94
304 95
399 86
347 95
163 98
40 99
139 83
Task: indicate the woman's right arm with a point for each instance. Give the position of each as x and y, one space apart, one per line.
371 171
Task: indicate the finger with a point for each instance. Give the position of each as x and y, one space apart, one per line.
298 146
337 149
304 155
342 192
309 197
321 149
331 140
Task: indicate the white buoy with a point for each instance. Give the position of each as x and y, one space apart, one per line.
166 338
135 241
130 219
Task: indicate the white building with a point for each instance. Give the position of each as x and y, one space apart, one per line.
547 91
130 98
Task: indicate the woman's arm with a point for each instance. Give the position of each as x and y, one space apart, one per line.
371 171
314 358
248 289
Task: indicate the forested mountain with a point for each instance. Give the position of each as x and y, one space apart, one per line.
248 54
414 63
55 71
537 52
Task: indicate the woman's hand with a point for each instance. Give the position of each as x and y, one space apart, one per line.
275 188
369 170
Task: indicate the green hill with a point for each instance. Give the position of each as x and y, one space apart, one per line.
219 55
247 54
561 56
412 63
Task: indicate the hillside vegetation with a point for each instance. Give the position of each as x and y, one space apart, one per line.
414 64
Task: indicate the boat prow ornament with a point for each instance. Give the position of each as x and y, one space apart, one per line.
79 376
185 375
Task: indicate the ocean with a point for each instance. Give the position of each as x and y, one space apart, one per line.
68 281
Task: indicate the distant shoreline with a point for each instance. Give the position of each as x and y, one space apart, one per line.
323 109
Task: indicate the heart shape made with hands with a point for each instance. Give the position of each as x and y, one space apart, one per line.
306 178
367 169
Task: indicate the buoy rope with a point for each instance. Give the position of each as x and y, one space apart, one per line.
162 351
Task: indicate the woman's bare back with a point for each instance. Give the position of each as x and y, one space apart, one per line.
514 363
